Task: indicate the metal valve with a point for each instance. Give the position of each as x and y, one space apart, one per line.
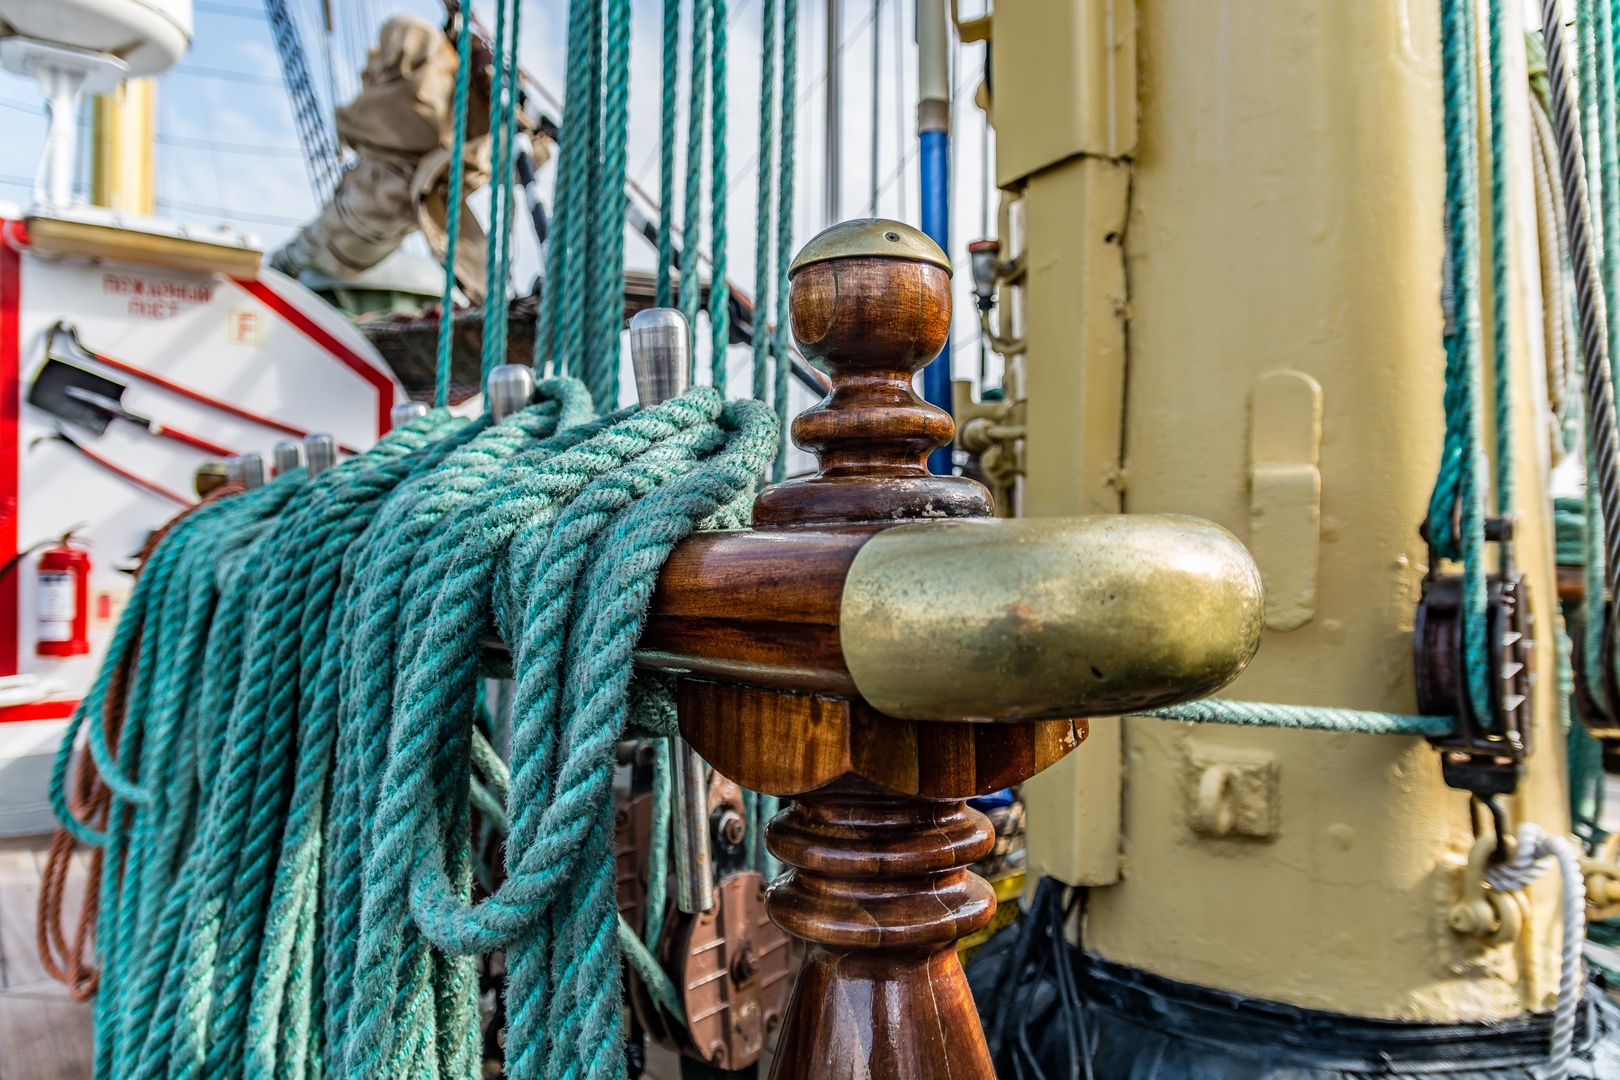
989 274
984 256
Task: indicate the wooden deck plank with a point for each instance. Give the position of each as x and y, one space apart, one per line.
44 1038
44 1035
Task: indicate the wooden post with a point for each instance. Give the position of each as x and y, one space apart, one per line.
879 837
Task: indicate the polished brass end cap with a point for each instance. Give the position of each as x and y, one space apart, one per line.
1041 618
869 237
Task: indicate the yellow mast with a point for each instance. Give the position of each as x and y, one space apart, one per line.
1231 228
122 132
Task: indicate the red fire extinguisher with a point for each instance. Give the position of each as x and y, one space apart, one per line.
64 600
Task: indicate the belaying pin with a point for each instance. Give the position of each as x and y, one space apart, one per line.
661 354
320 454
233 469
510 390
405 412
286 456
252 466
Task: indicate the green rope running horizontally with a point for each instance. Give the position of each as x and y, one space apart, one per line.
304 754
1305 718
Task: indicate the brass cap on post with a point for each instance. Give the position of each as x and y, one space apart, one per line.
877 237
870 304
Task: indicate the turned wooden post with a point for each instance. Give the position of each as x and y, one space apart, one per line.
783 671
880 848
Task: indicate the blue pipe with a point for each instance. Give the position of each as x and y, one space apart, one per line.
936 222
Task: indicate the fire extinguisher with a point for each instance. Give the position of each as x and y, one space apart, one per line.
64 600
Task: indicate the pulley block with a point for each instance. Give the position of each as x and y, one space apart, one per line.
1485 753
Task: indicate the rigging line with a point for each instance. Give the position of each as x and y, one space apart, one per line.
900 88
244 215
900 168
188 143
227 9
33 110
747 170
228 76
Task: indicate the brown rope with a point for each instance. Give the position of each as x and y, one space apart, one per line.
88 801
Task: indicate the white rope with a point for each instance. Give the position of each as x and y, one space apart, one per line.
1532 854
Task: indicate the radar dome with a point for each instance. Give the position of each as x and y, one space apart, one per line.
149 36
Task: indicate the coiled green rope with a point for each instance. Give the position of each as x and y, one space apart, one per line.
290 862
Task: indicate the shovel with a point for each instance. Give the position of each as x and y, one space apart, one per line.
85 399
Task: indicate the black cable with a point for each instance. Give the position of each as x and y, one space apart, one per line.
11 563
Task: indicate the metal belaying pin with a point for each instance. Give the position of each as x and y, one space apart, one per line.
252 466
510 390
661 354
286 456
233 469
320 454
405 412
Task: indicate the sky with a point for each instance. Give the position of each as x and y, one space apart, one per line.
227 150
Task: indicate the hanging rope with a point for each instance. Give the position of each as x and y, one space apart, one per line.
301 757
765 314
782 347
1457 495
452 210
693 202
1501 284
607 215
719 289
503 129
664 293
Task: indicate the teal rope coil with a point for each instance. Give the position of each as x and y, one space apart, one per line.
1305 718
290 857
